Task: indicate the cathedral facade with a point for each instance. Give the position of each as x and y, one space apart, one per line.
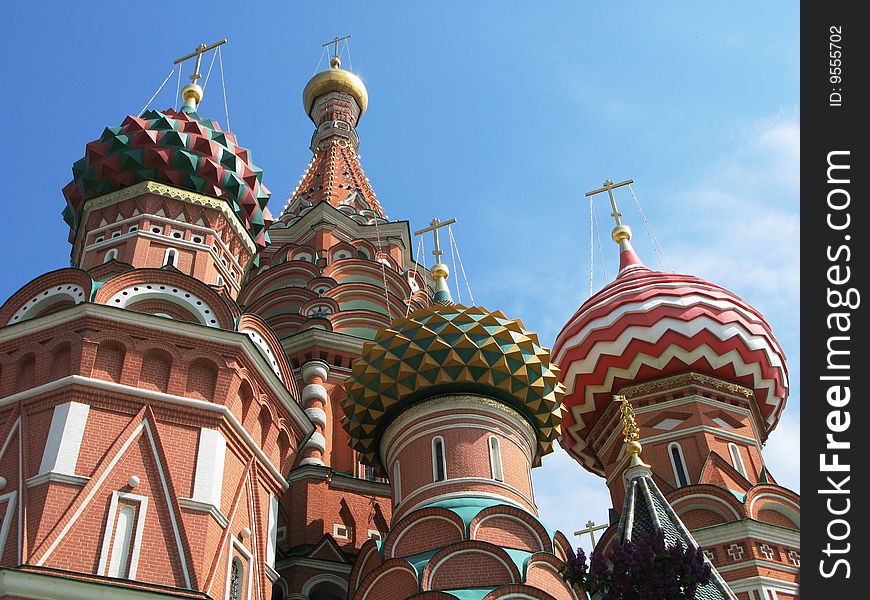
215 402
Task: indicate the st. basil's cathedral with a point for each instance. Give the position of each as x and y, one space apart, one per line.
213 403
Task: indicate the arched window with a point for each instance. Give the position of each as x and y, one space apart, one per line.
171 257
120 560
397 483
678 462
237 576
219 280
439 467
111 255
495 458
737 459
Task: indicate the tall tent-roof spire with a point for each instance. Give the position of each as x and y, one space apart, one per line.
646 510
335 99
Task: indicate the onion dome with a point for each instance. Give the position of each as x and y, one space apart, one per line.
335 79
177 148
445 349
647 324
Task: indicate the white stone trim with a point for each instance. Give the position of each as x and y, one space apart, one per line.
314 391
466 494
64 441
212 335
136 538
265 348
685 467
677 505
171 293
496 465
27 584
541 544
317 416
470 550
395 436
143 426
438 441
737 459
57 478
325 577
486 480
616 437
208 478
315 368
417 521
156 396
755 562
396 483
272 531
737 530
316 441
205 507
11 500
235 544
46 296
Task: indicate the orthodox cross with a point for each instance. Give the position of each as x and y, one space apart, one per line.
198 52
434 226
591 528
335 41
609 186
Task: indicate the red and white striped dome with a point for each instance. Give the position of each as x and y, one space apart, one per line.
647 324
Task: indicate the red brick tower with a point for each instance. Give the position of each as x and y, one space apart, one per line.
708 381
457 404
146 422
334 272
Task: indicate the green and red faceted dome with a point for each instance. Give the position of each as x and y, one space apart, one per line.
177 148
646 325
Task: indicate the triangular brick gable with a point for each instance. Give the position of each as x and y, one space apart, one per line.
719 472
78 536
10 439
327 549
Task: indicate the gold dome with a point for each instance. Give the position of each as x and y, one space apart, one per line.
335 79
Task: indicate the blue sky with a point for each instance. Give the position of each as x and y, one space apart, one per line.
501 114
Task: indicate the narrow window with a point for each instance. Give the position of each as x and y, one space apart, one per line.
681 476
219 281
119 564
737 459
397 483
237 576
111 255
495 459
368 472
439 469
171 257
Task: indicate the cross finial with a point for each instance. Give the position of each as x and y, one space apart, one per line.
440 272
198 52
336 62
591 528
434 226
609 186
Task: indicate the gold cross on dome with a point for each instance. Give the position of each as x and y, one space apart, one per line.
609 186
591 528
434 226
198 52
335 41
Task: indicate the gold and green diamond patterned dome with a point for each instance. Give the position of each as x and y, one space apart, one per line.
446 349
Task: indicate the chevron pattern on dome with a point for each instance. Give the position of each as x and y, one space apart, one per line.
646 325
442 349
177 148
